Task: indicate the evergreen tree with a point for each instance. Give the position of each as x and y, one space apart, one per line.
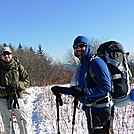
40 51
20 46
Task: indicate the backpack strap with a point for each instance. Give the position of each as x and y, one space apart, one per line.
16 62
128 74
93 75
102 102
91 70
127 67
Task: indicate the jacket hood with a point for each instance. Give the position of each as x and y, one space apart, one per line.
88 51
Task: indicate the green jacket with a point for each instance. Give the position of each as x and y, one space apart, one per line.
11 72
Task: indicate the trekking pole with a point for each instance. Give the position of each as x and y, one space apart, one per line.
9 103
74 113
58 103
16 103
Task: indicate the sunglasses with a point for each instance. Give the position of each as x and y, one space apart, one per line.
79 45
6 53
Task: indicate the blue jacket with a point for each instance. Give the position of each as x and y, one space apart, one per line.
132 96
92 90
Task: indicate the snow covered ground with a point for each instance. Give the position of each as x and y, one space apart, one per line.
41 109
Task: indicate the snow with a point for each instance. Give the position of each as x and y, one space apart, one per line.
41 110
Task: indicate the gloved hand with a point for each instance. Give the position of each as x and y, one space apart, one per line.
14 85
77 91
59 99
57 90
11 88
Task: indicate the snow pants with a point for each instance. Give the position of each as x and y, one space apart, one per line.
20 115
100 122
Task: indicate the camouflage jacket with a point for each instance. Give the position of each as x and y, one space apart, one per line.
11 72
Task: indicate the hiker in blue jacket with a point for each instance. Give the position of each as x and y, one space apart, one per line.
93 94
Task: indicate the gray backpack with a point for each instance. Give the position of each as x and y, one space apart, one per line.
114 56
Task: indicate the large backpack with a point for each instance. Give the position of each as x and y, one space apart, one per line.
114 56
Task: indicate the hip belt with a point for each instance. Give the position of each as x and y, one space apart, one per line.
101 102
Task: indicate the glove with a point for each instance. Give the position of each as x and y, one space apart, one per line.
14 85
77 91
59 99
57 90
11 88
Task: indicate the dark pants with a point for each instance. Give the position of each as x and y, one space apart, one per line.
100 122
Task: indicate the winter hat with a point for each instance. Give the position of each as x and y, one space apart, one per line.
5 49
83 39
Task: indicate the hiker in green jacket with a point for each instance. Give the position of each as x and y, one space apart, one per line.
13 81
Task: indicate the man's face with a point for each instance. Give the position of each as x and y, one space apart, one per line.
79 49
6 56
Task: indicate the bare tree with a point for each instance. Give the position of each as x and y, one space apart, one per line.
95 44
71 59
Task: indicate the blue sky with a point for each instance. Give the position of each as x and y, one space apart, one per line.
55 23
